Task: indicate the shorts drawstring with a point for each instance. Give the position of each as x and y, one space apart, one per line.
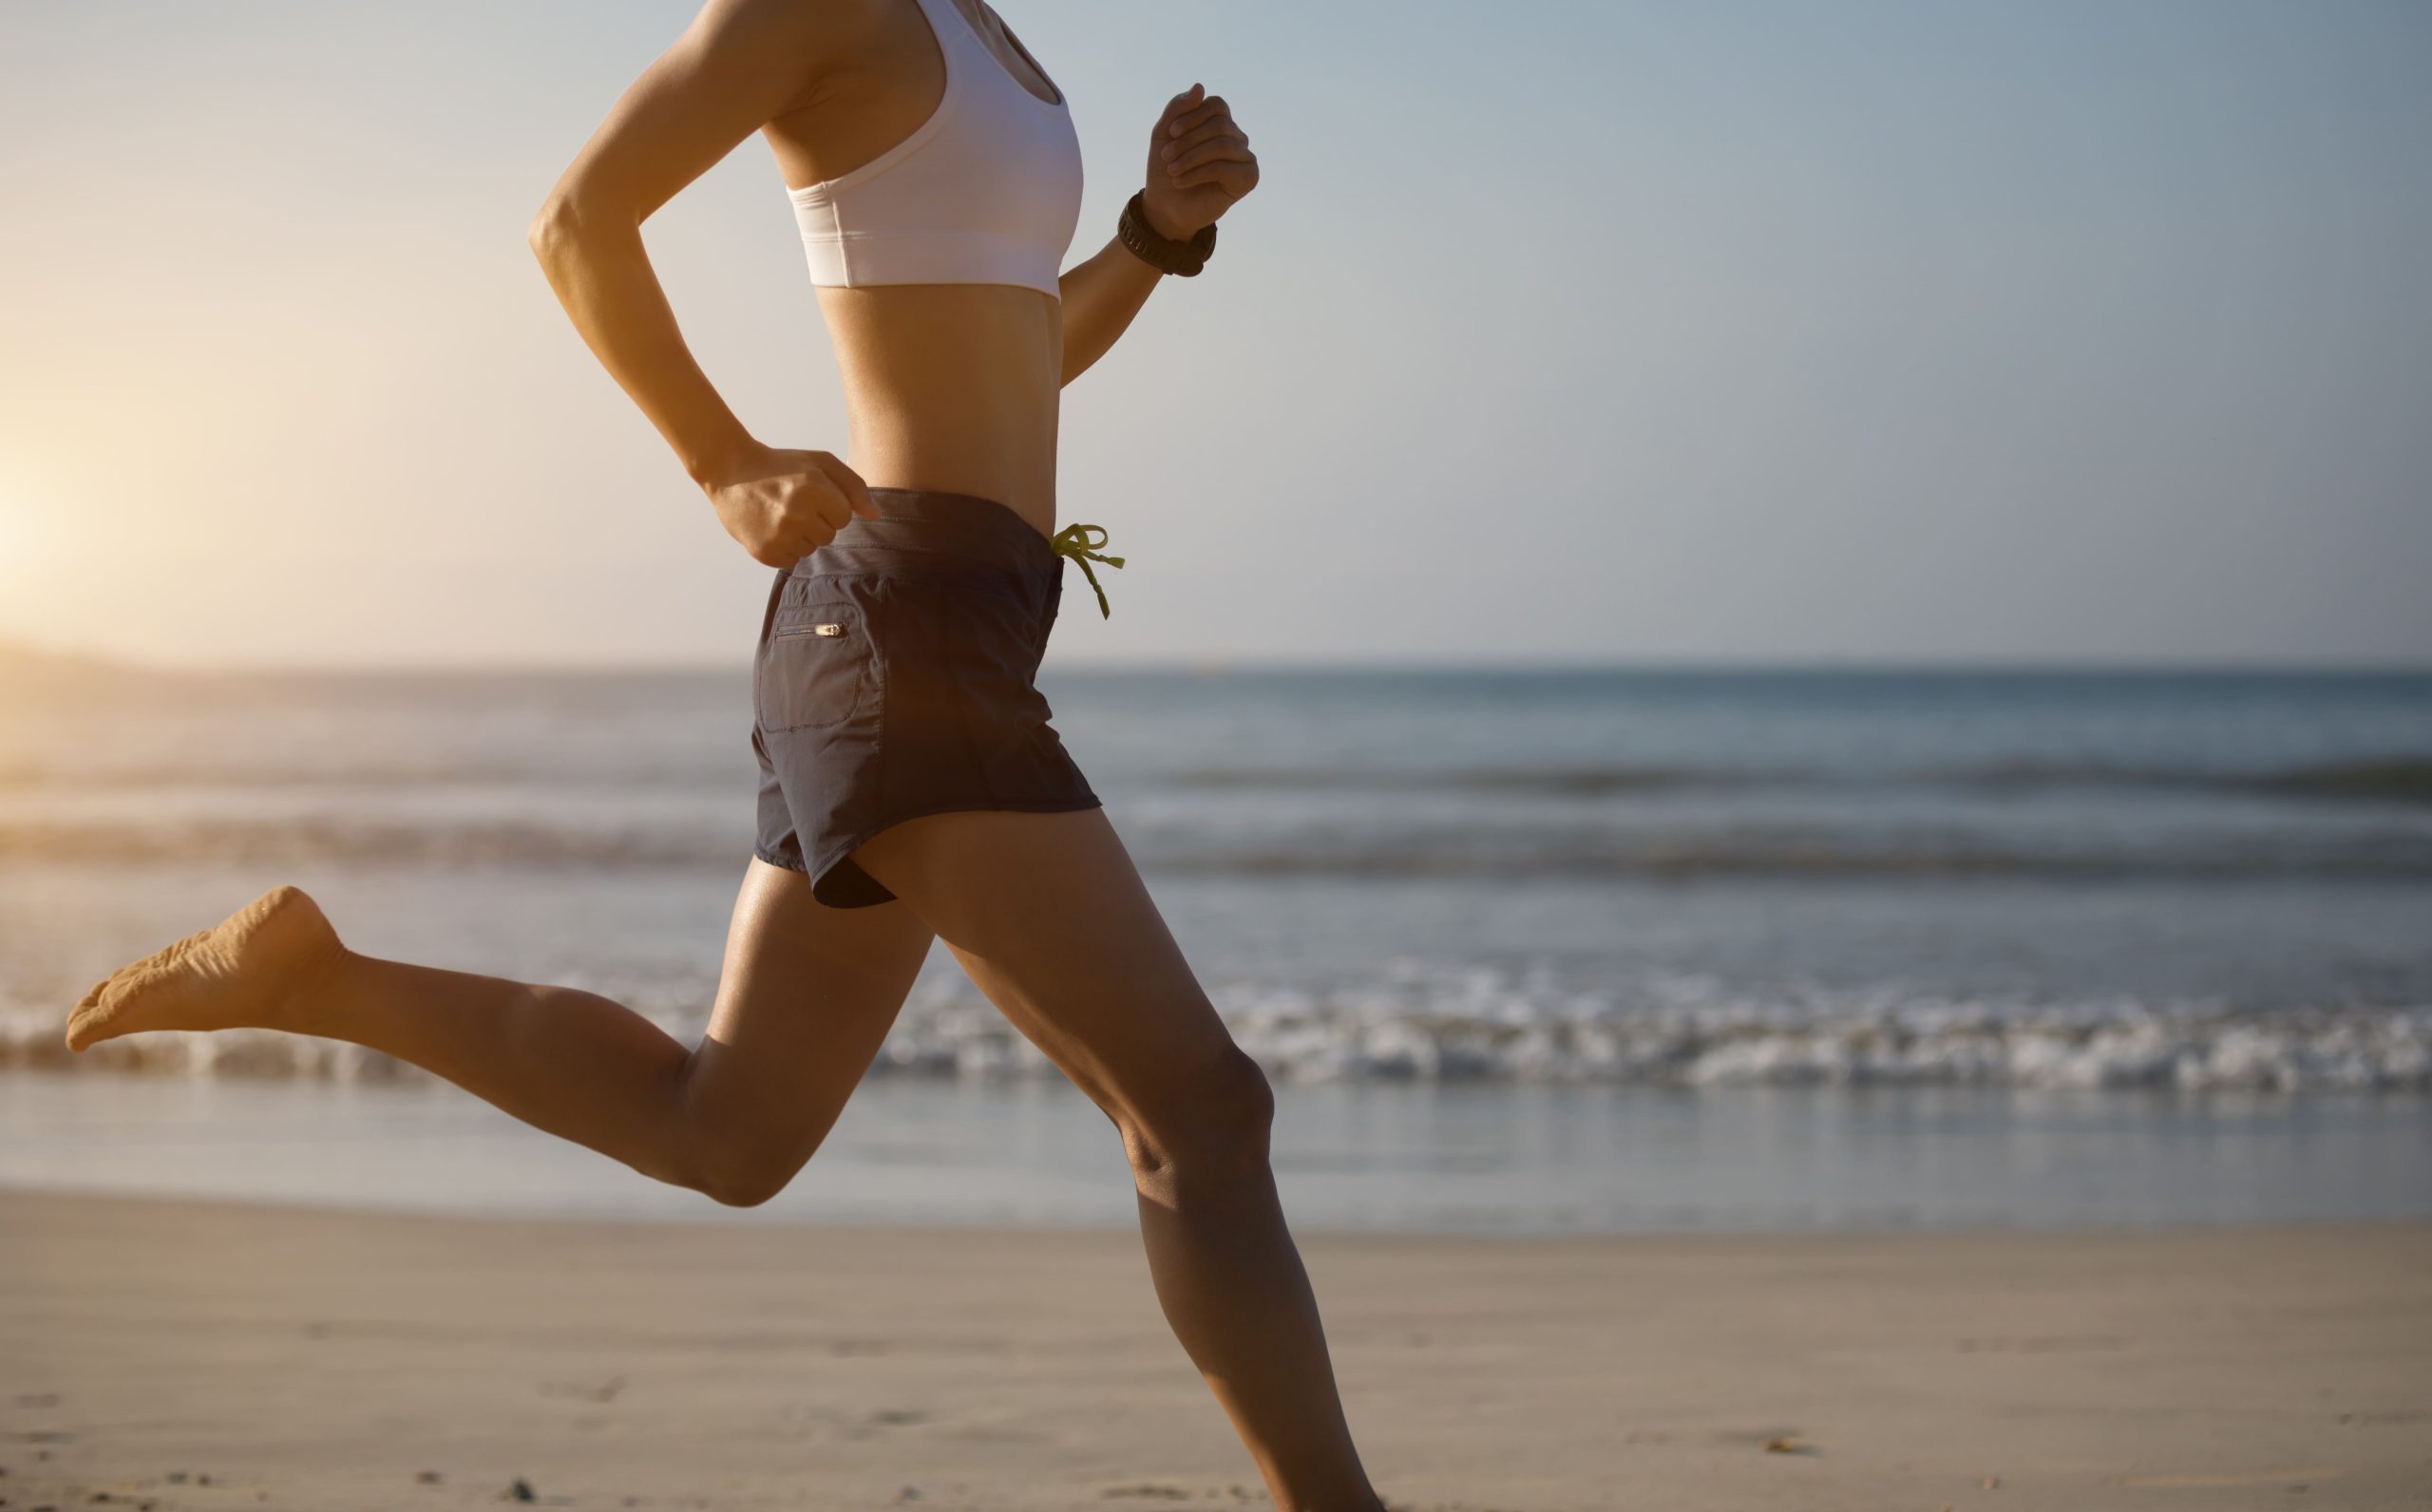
1076 542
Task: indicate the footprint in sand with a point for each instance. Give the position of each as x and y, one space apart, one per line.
237 974
2202 1480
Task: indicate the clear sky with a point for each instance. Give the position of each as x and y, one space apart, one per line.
1944 330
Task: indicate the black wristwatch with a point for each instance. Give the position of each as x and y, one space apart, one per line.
1181 258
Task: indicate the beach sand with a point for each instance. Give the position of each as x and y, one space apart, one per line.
189 1355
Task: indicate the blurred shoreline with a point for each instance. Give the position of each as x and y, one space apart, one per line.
1412 1159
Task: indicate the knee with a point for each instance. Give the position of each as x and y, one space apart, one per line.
745 1184
1216 1130
739 1168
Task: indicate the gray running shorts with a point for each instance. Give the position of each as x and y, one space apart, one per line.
894 678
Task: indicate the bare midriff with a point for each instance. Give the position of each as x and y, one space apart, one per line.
952 386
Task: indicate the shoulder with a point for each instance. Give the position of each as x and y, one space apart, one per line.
799 26
787 47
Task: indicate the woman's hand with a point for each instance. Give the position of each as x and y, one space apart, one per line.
783 505
1199 164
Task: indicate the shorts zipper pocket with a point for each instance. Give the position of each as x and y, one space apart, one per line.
817 669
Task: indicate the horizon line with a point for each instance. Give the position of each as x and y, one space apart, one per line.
67 660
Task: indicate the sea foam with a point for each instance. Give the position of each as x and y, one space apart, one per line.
1430 1024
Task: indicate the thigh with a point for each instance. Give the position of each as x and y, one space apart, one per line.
805 1000
1049 916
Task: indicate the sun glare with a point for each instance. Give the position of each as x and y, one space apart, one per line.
21 531
16 510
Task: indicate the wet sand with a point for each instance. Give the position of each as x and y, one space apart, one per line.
192 1356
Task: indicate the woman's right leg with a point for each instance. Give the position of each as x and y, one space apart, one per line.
804 1003
1048 915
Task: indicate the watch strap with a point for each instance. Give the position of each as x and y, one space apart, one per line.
1181 258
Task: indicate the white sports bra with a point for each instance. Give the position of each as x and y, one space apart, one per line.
987 190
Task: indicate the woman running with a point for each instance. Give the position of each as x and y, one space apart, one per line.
910 785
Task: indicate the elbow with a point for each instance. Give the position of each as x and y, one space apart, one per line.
565 224
555 230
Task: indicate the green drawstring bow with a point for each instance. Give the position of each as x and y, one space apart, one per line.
1076 542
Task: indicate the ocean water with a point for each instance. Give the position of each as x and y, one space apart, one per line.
1543 921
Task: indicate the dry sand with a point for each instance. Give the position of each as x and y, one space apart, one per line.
332 1361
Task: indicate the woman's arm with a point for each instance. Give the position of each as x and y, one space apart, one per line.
1200 164
740 65
1100 297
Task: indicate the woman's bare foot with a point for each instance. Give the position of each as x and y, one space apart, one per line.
241 973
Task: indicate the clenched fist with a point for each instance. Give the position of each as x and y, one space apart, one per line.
1200 162
783 505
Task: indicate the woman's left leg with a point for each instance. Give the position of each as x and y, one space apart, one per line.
1050 918
805 1001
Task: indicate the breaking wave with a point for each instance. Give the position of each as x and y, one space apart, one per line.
1375 851
1435 1025
2396 779
2399 778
